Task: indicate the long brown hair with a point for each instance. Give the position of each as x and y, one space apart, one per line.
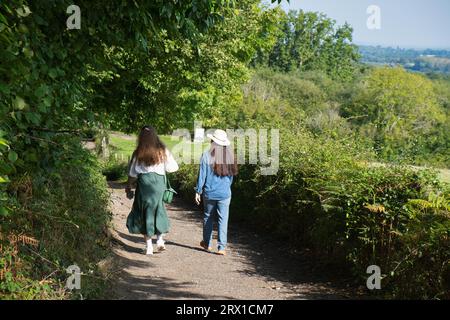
150 150
223 161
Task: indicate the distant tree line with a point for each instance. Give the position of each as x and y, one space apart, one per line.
428 60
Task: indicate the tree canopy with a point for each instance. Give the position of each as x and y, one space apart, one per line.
400 111
311 41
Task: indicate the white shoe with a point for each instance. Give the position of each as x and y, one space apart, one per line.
149 247
160 245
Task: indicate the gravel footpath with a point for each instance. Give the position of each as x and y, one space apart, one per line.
254 268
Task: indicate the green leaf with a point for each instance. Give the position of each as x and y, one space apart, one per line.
33 117
42 91
4 211
28 53
12 156
24 11
45 104
53 73
47 101
19 103
3 142
4 179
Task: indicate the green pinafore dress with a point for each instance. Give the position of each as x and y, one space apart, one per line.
148 215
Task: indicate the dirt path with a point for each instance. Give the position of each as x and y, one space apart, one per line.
254 268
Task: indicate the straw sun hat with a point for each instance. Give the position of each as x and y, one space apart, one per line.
220 137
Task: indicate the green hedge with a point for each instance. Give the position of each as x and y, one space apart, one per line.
326 198
65 208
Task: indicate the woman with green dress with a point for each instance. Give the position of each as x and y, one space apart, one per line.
148 166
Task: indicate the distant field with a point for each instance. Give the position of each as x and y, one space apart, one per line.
122 146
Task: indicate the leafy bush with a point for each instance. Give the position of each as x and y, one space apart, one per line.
299 93
114 170
402 115
65 208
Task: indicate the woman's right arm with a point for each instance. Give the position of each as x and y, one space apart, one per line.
200 180
132 175
201 176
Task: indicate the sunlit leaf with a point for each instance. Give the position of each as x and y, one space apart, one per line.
19 103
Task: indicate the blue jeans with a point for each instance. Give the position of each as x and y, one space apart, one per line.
222 209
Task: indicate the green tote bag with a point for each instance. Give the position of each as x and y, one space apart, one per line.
169 192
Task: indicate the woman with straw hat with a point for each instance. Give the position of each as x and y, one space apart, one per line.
217 168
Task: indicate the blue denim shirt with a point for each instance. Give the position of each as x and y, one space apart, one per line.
211 185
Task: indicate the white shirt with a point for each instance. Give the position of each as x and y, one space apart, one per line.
170 165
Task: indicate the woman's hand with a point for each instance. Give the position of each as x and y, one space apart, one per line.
129 192
198 198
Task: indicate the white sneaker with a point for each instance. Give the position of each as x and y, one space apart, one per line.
160 245
149 247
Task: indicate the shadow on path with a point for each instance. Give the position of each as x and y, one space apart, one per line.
139 240
139 288
139 285
253 255
274 260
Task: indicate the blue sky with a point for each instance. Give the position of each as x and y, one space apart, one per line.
404 23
